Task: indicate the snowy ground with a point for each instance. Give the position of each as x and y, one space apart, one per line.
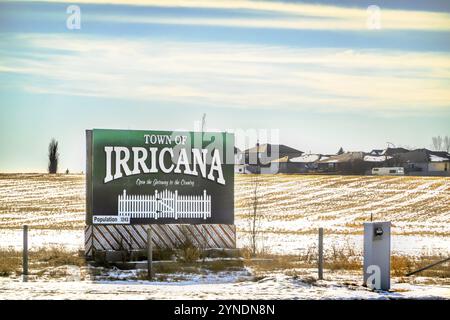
278 286
293 207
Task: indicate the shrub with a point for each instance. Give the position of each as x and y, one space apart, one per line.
189 251
163 254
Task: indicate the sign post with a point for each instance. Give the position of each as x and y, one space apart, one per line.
149 253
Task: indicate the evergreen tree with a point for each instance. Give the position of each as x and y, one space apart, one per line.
53 156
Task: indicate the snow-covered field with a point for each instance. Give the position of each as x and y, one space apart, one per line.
292 206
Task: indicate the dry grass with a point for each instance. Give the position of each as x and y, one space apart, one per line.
10 262
53 263
341 259
39 260
57 256
401 265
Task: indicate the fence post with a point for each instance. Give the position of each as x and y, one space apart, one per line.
25 253
149 252
320 262
156 204
204 205
175 203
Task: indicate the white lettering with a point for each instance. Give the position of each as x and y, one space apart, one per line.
122 162
161 160
183 161
108 176
139 161
199 159
216 165
153 168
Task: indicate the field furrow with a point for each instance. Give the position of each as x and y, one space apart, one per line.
291 207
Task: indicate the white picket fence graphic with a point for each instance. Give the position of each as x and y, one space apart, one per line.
164 204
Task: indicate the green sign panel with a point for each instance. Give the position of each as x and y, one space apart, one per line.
143 177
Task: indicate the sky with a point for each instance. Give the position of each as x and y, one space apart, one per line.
312 75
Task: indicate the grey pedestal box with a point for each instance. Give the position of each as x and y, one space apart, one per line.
377 253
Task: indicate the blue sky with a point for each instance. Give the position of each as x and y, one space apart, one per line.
312 70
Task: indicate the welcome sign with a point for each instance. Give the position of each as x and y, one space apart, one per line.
159 177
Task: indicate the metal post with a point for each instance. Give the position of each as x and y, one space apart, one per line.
320 253
149 253
25 253
377 255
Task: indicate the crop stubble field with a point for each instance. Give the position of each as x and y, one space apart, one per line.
292 207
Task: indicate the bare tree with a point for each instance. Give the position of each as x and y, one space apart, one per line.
53 156
254 216
447 143
437 143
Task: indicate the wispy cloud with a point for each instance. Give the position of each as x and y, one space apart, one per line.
232 75
284 15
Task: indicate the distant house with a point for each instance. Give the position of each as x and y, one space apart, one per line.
280 165
347 163
426 162
303 164
383 158
268 158
414 162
